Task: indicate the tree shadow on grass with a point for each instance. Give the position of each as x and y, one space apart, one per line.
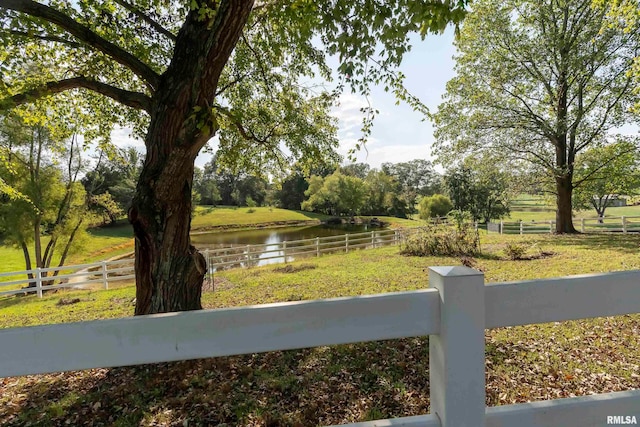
319 386
120 230
626 243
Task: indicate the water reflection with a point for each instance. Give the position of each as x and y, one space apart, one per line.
267 246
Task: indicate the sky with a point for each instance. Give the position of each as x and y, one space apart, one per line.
399 134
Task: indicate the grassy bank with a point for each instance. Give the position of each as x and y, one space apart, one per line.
229 216
98 244
106 242
338 384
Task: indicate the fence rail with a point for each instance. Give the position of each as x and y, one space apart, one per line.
454 311
103 273
623 224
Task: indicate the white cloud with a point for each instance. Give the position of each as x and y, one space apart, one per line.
121 137
376 155
348 112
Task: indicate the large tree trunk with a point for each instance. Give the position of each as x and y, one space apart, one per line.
169 269
564 219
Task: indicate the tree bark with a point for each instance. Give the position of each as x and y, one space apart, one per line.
169 269
564 212
27 261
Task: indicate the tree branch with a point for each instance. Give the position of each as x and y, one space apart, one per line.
44 38
85 35
588 177
135 100
154 24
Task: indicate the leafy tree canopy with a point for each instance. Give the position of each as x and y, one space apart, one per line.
182 72
603 172
539 81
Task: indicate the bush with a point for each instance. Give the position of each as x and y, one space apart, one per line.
515 251
434 206
250 202
442 240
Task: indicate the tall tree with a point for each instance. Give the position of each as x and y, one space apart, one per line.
336 194
290 195
206 187
479 187
113 177
200 68
540 81
52 213
359 170
417 178
384 195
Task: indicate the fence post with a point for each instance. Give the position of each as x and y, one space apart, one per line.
317 247
103 266
39 282
284 249
501 226
582 225
521 227
624 224
207 262
456 354
346 243
475 225
550 226
373 241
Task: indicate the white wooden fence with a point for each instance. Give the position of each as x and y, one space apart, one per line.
68 276
454 311
103 273
623 224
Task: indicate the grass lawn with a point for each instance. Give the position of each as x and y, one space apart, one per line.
529 207
338 384
97 245
208 217
106 242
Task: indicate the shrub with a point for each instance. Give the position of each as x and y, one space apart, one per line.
515 251
250 202
460 218
434 206
442 240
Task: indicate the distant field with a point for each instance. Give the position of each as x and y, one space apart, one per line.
528 207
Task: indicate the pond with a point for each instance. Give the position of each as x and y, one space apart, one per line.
271 239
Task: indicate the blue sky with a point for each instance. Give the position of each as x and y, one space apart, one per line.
399 134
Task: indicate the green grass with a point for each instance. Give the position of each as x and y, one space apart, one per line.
338 384
206 217
97 245
106 242
361 272
537 208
